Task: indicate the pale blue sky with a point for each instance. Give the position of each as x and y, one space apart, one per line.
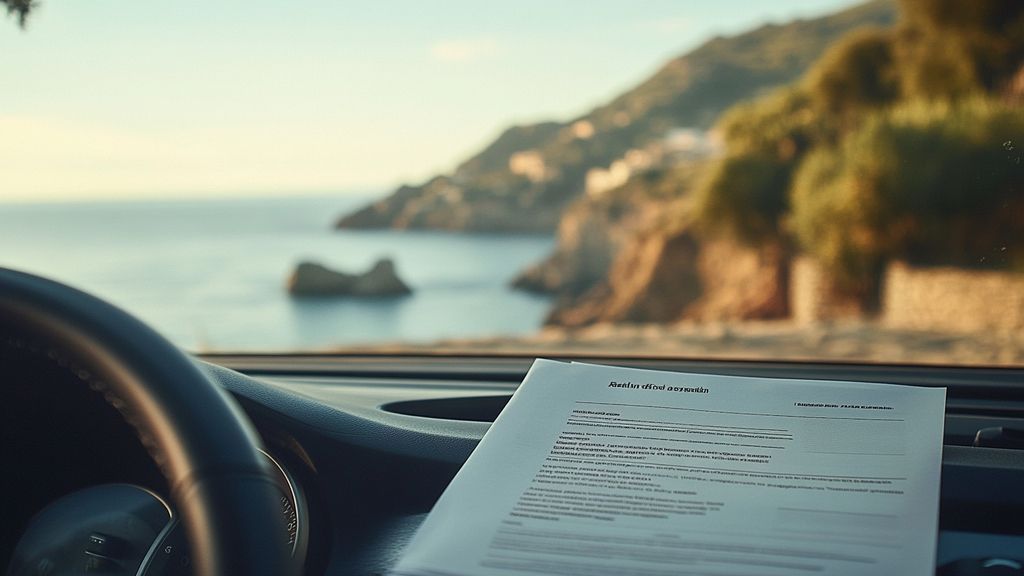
103 99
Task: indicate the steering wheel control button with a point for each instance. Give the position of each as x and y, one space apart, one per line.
102 552
105 546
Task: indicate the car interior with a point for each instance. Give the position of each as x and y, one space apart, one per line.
270 272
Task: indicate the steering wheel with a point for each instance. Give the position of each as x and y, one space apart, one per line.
200 440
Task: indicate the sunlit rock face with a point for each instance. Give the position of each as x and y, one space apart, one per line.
314 279
669 276
741 283
589 237
595 229
652 280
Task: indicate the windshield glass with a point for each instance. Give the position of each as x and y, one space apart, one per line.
810 179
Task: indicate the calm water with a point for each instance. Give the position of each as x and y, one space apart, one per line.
210 274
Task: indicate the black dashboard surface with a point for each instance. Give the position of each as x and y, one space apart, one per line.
382 437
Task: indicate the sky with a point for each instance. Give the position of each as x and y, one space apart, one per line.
105 99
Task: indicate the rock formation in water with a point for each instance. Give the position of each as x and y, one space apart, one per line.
314 279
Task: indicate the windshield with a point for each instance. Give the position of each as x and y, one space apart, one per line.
810 179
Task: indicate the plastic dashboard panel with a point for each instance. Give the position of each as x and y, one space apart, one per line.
386 434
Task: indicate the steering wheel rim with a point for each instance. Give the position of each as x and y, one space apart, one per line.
202 442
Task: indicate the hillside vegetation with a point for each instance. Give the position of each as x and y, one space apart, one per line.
899 143
692 90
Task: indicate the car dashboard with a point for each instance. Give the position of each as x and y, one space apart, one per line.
379 437
365 444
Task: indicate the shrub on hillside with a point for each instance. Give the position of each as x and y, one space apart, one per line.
744 194
949 44
856 74
932 183
888 159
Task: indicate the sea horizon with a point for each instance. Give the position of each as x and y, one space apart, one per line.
210 273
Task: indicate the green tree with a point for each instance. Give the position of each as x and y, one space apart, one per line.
949 43
859 73
744 194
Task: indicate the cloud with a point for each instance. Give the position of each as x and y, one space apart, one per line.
463 50
669 25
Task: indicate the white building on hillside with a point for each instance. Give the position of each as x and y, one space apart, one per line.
529 163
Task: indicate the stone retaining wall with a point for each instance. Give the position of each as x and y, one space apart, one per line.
813 296
946 299
952 299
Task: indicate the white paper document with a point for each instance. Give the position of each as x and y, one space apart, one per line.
593 470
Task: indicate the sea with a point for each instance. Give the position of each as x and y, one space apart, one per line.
210 274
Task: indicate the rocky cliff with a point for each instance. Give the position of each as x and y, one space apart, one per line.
595 228
652 280
667 275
